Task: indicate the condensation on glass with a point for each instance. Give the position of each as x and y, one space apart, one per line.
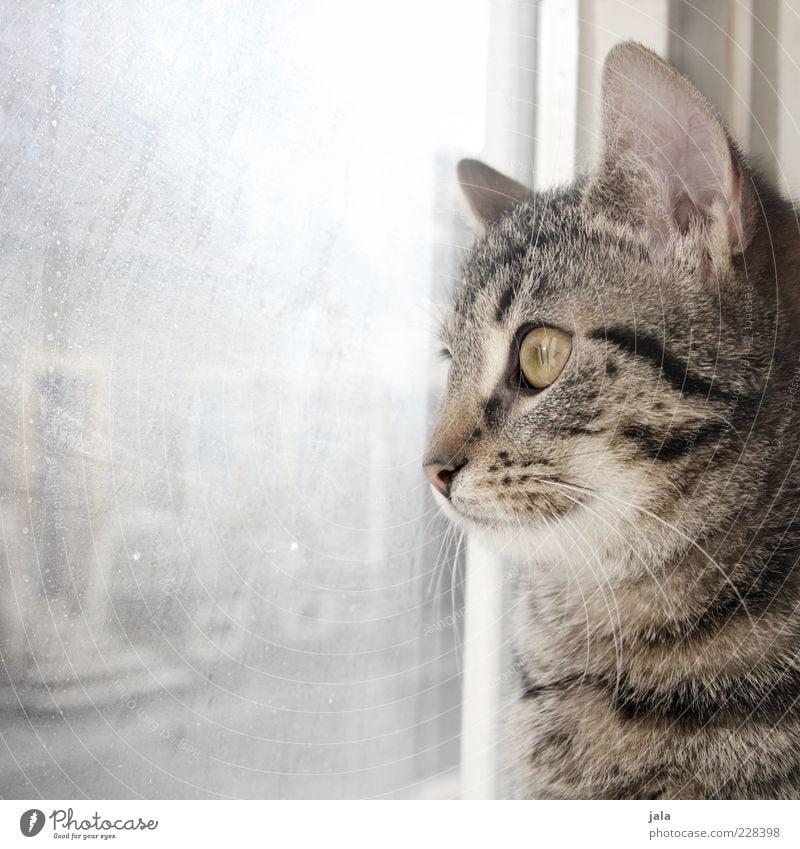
221 226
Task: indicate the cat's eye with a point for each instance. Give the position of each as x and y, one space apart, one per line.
543 353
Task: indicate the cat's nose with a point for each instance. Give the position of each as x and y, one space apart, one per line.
441 474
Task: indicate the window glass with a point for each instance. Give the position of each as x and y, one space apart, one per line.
223 227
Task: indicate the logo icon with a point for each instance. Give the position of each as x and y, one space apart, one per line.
31 822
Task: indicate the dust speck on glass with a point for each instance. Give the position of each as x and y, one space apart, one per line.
217 549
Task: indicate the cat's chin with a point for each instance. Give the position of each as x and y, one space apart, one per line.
532 543
458 517
574 540
515 538
468 520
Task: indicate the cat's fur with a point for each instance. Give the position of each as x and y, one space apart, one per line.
653 488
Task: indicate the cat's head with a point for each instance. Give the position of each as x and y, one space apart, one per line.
609 340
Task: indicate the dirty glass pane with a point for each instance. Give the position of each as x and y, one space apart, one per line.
222 225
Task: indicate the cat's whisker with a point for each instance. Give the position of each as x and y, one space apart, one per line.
551 521
692 542
616 638
438 563
450 565
617 531
457 642
643 562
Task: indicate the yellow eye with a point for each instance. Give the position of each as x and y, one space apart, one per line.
543 354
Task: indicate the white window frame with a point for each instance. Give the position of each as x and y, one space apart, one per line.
542 118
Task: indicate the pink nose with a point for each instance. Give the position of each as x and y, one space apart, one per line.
441 475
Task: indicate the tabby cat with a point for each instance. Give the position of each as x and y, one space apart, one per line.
621 415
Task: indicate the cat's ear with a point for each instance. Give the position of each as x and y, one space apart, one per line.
490 194
667 161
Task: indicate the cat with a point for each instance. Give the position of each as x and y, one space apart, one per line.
621 414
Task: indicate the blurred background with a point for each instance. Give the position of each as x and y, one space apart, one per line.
228 235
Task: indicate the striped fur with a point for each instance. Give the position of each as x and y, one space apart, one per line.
652 490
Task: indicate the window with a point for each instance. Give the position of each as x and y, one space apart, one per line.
226 238
222 235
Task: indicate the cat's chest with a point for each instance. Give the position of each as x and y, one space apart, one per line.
566 617
594 549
